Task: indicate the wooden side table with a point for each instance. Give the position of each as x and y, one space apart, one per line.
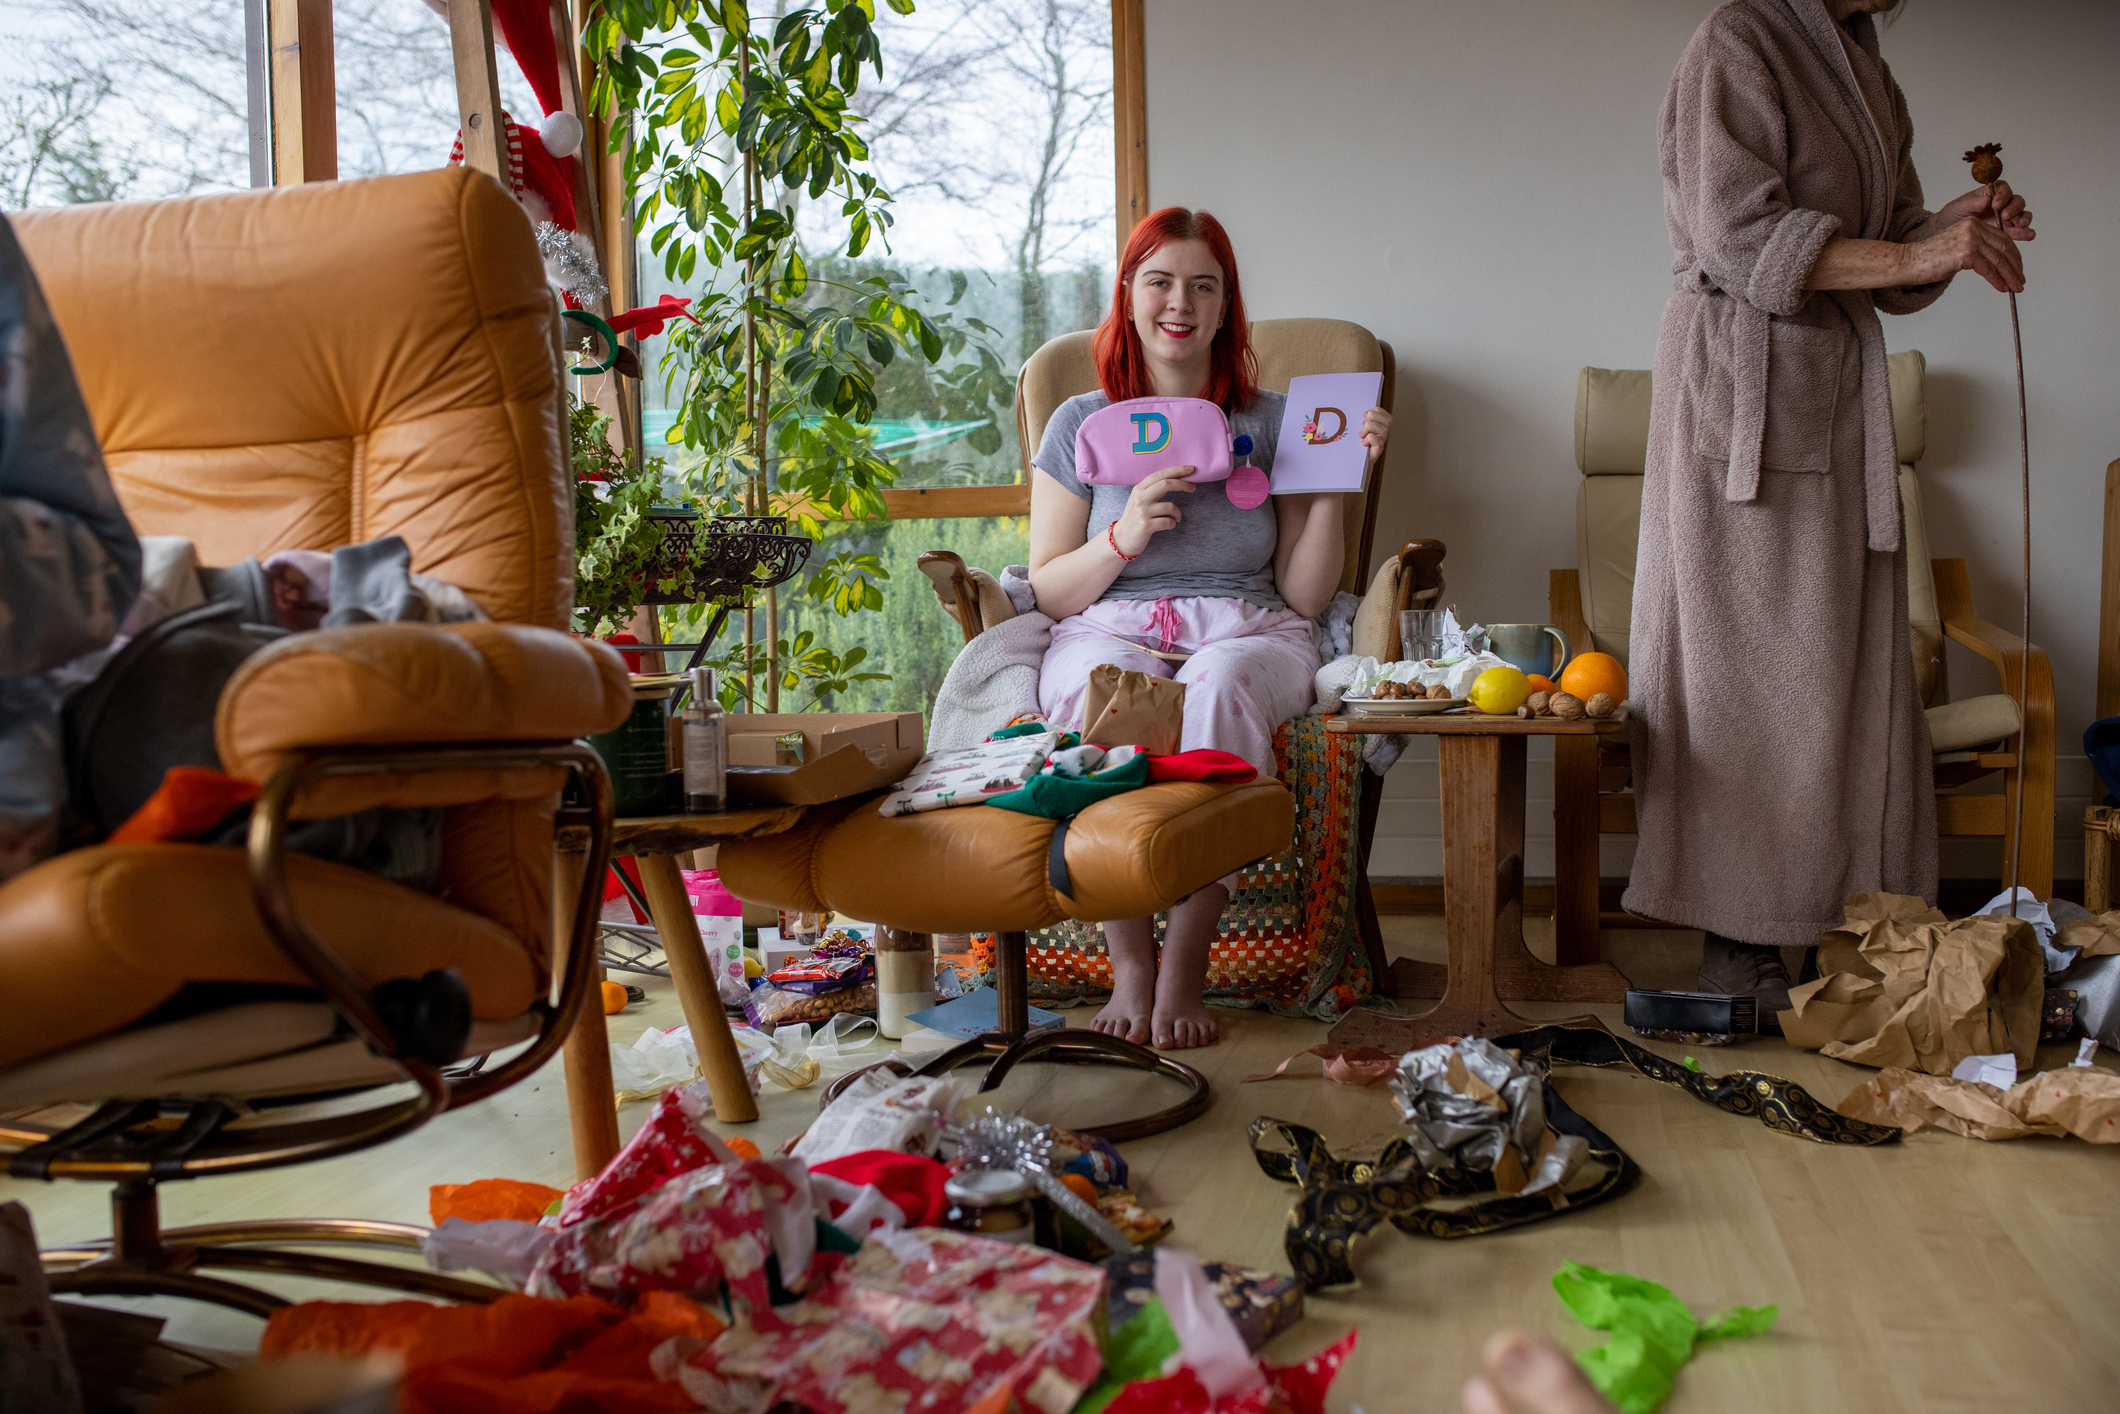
592 1101
1481 761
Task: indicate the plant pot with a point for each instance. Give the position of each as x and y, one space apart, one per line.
710 558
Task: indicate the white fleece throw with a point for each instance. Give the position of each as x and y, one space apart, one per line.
994 680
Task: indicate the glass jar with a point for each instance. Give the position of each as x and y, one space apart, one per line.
991 1202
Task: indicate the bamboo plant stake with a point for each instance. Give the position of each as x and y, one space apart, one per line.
1987 170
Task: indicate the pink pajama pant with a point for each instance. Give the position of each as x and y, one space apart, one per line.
1251 668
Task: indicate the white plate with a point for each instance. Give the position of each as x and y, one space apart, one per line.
1399 706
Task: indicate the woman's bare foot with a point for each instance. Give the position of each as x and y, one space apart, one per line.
1131 945
1181 1020
1128 1014
1181 1023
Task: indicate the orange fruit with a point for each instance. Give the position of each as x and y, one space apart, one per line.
1541 683
614 998
1588 674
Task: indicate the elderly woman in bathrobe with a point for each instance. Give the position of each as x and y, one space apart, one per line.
1781 758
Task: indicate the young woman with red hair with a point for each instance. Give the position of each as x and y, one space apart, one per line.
1235 588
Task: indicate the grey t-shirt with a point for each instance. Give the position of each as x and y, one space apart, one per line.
1215 551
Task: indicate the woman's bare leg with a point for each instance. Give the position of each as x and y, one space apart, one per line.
1130 943
1181 1020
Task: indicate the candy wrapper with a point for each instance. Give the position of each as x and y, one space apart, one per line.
963 1319
819 975
660 1059
1472 1105
1216 1373
1260 1304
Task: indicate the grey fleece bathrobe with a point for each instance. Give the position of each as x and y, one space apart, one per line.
1781 758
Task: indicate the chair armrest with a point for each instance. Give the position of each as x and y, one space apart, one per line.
396 684
1963 624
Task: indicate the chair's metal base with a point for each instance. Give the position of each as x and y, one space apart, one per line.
145 1260
1010 1047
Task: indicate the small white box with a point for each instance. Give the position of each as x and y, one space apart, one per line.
774 953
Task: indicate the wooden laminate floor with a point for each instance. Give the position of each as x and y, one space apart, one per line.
1939 1274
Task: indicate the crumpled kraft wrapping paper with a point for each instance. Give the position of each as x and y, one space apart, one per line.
2098 935
2079 1100
1904 986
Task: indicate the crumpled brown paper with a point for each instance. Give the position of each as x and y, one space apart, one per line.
1904 986
2098 935
1122 707
2079 1100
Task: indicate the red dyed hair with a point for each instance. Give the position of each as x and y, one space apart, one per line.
1122 368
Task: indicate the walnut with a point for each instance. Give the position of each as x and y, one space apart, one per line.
1601 705
1438 693
1566 706
1540 703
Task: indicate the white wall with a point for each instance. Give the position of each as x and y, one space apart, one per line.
1477 183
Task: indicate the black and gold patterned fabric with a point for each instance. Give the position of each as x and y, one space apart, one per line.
1342 1200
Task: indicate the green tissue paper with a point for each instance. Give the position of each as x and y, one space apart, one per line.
1653 1333
1136 1351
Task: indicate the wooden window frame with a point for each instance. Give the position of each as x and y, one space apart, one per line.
1130 191
301 93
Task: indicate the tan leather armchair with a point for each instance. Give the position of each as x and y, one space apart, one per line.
1971 737
304 368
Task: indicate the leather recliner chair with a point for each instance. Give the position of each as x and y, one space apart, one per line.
304 368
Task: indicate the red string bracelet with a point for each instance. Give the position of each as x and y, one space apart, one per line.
1112 540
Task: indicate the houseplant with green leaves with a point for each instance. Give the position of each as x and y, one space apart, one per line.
727 126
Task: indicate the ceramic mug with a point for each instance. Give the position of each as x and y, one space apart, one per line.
1524 647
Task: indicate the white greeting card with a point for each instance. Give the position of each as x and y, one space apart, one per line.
1320 446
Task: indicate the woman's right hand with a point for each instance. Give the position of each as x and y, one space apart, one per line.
1147 512
1970 244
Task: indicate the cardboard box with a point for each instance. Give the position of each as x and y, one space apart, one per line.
844 753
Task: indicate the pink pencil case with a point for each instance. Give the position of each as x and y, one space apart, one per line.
1126 443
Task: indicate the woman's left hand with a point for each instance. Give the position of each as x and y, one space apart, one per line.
1979 205
1376 427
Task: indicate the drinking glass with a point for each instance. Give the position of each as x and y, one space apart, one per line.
1420 634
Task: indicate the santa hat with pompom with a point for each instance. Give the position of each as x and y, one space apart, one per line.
540 165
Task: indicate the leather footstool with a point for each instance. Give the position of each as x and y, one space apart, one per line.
976 869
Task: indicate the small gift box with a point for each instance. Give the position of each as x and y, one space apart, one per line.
1262 1304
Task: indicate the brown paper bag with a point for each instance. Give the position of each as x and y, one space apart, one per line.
1122 707
1903 986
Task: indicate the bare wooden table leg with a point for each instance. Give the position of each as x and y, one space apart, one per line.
1575 861
1483 911
693 973
592 1099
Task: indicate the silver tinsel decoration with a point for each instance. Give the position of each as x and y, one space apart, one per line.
576 268
1004 1141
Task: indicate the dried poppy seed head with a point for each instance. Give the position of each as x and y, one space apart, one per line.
1987 167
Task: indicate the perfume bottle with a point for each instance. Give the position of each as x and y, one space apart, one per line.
703 730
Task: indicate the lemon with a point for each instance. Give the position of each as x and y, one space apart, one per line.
1499 691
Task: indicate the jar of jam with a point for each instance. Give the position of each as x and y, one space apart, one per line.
991 1202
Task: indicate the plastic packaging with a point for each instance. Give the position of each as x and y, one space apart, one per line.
773 1006
719 914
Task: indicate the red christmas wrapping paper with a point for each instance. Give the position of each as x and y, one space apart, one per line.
695 1232
936 1334
673 1141
1287 1389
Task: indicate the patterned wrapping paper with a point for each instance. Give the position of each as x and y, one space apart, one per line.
698 1230
933 1335
1289 940
970 775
